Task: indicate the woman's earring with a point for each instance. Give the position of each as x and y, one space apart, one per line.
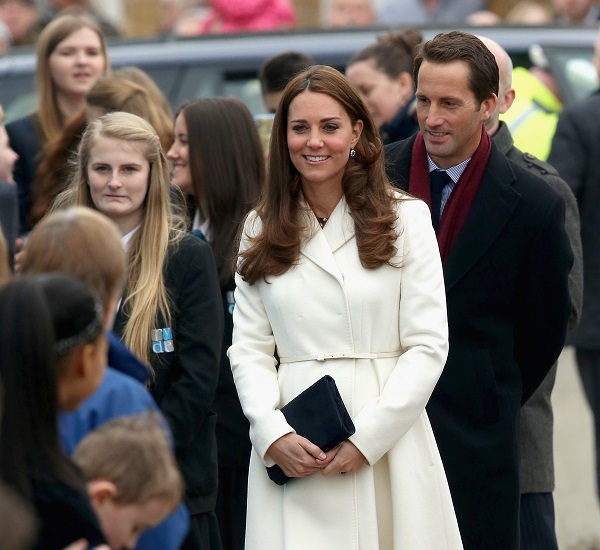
352 152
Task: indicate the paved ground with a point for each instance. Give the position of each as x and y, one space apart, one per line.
577 508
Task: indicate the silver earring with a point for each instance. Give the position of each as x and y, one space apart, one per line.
352 152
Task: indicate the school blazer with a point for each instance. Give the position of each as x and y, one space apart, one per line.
185 379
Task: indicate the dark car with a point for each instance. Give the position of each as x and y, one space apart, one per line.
227 65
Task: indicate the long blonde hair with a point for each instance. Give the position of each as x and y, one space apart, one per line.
162 224
49 119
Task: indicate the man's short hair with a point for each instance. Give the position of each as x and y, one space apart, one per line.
278 70
463 46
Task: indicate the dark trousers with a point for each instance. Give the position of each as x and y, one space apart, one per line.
537 522
231 507
588 362
203 533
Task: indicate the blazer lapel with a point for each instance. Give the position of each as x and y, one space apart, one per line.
322 244
491 210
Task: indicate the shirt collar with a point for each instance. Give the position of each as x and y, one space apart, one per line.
455 172
126 239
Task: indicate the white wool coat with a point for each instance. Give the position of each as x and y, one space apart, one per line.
328 303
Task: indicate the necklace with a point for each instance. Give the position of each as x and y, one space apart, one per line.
322 221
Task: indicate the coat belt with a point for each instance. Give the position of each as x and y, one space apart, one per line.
346 355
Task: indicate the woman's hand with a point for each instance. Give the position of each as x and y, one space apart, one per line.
348 459
297 456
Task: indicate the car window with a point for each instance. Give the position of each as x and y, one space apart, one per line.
18 96
228 65
574 71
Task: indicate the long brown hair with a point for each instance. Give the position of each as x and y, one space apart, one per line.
129 90
49 119
228 170
365 185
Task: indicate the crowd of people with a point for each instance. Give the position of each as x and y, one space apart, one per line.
21 21
168 285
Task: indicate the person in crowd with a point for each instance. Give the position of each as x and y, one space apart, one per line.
128 89
536 430
170 13
127 504
218 160
504 250
530 12
533 116
573 153
5 272
83 243
483 18
71 57
577 12
276 72
328 227
349 13
8 192
22 19
413 12
8 157
52 356
229 16
5 39
51 9
382 72
171 313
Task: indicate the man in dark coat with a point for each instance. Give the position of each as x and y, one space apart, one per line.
506 260
537 421
576 155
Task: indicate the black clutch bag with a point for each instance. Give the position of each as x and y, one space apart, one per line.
319 414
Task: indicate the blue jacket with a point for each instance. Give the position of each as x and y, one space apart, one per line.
121 395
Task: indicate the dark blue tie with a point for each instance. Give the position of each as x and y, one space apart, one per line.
439 180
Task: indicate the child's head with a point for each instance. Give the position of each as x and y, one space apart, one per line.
80 345
51 333
132 478
85 244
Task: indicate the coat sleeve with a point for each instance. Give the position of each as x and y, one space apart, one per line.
570 152
543 301
423 332
253 362
199 312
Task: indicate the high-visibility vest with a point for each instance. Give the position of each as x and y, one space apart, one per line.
533 116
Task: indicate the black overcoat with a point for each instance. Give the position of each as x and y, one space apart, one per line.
508 306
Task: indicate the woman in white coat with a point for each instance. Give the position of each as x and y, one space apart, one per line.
335 262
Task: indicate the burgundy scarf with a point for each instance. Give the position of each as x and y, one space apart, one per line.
458 205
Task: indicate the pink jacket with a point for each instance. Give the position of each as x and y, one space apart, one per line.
229 16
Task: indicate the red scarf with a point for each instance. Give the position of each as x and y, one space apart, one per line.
458 205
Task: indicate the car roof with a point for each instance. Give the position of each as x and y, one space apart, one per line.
219 58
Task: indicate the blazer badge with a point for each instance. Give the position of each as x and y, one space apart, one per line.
162 340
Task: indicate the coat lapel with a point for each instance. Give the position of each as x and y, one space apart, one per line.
491 210
322 243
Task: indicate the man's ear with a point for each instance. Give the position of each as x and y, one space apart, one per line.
101 491
506 100
488 106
